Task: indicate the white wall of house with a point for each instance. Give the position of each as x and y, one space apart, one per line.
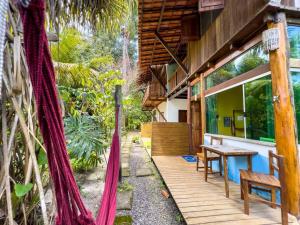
162 108
172 108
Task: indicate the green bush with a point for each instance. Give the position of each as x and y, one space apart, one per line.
125 186
85 141
136 139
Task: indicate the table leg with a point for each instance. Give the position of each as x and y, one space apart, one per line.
205 164
226 176
249 162
249 159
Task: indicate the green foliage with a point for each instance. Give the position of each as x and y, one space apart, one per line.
147 144
102 64
133 113
179 218
106 15
69 48
136 139
87 72
123 220
258 97
125 186
22 189
85 141
42 158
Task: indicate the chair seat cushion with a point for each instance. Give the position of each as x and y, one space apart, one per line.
260 178
210 155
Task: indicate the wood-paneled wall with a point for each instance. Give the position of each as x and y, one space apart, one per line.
146 130
218 28
170 139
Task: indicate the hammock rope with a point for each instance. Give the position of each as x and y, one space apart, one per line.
70 207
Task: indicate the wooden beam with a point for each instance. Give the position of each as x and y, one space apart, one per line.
160 113
158 78
178 93
172 54
284 114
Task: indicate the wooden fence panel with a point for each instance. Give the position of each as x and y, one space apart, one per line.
170 139
146 130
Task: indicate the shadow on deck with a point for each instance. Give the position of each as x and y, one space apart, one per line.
203 202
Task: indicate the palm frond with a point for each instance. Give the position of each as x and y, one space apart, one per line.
96 14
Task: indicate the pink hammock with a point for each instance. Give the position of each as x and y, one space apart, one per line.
70 208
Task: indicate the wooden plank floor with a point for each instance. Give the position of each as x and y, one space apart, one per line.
203 202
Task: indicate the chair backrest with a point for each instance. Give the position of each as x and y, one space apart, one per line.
276 163
217 139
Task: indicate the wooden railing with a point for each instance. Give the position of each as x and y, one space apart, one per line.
154 92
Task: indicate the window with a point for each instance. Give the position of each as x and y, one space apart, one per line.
196 89
294 38
247 61
259 109
244 111
225 113
296 87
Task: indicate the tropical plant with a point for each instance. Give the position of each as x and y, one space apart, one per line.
85 140
132 111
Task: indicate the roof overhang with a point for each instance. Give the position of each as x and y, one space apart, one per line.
163 17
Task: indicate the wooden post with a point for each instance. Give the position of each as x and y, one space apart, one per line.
118 105
160 113
284 114
203 108
189 117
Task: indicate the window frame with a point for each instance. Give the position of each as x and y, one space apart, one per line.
242 83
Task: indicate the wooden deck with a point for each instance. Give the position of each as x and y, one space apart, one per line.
205 203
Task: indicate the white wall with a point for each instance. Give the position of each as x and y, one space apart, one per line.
162 108
172 108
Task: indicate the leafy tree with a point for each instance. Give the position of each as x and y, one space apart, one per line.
132 111
69 48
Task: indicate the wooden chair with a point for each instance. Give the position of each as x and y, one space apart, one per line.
210 158
268 182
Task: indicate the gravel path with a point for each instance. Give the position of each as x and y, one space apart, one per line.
149 206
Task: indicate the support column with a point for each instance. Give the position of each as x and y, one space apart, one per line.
284 114
189 117
203 112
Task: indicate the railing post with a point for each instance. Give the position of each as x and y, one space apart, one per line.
118 105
